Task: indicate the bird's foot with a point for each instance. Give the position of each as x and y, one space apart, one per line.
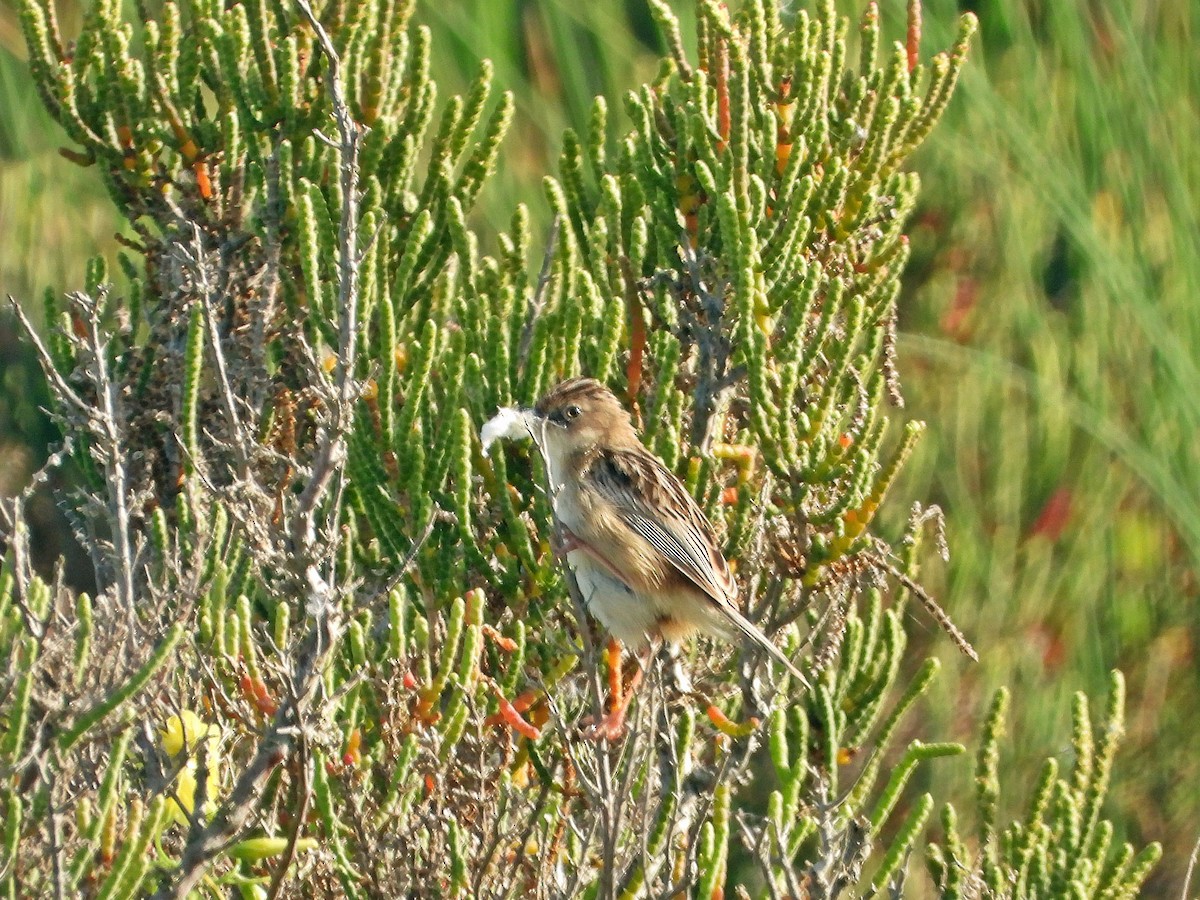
611 727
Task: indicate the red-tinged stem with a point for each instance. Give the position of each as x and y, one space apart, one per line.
913 43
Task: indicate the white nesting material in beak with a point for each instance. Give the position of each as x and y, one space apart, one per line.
509 422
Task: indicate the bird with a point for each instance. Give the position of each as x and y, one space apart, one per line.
646 560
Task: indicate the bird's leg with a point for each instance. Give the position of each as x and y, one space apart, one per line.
567 542
623 681
616 679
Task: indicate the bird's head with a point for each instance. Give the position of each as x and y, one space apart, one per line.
580 414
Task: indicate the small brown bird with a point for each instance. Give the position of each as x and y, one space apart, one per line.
644 556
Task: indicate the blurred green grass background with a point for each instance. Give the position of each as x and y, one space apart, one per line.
1050 338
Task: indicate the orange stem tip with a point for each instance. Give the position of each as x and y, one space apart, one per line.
507 644
727 726
517 722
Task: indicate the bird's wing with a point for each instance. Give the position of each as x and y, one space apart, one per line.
650 500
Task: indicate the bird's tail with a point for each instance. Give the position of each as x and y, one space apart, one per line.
750 630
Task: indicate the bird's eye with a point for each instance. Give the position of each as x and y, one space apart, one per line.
572 412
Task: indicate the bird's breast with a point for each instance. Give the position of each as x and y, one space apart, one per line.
570 509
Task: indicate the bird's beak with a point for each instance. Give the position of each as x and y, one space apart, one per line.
534 424
538 422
